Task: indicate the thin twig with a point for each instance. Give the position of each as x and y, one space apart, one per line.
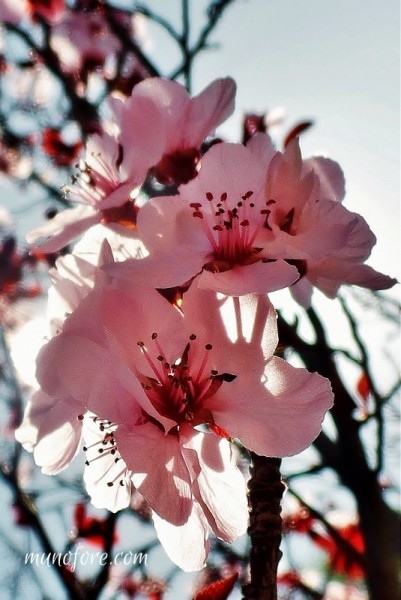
214 13
156 18
68 579
128 43
378 400
187 70
82 110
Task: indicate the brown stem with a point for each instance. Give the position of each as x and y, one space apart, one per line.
265 493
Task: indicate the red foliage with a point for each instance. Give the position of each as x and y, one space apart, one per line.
363 387
290 579
342 562
219 590
61 153
301 521
89 528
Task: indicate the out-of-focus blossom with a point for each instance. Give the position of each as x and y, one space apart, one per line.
252 124
83 40
12 160
13 265
32 87
300 521
12 11
5 220
337 590
50 10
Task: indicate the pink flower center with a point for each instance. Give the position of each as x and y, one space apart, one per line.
178 389
123 215
177 167
96 181
232 230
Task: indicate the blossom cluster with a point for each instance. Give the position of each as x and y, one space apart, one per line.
160 361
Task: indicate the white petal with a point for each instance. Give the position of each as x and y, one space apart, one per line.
105 468
186 545
51 430
64 227
221 484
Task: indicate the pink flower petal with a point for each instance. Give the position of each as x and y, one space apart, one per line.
262 148
226 168
119 196
331 177
161 270
149 122
221 484
329 274
257 278
63 228
164 483
242 331
302 291
208 110
141 313
280 418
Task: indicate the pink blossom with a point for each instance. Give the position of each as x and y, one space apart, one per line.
147 376
49 428
311 229
217 226
158 121
102 194
161 121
